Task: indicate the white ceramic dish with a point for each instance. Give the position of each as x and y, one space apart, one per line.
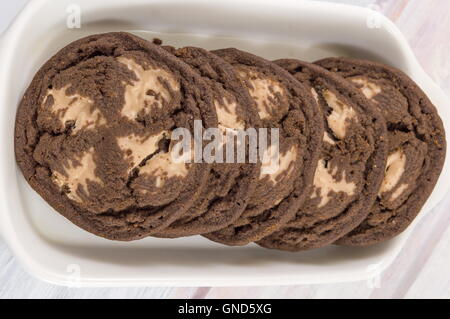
53 249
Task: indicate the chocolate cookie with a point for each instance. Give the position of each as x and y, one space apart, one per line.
284 104
230 184
417 147
93 135
350 167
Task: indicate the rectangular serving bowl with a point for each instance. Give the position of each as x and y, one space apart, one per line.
53 249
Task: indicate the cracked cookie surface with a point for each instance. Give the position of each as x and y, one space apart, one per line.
284 104
416 152
230 185
93 135
350 167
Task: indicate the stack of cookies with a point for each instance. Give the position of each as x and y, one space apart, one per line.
360 146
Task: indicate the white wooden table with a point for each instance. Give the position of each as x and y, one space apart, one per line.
422 270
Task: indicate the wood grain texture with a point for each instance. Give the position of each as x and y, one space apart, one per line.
420 271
